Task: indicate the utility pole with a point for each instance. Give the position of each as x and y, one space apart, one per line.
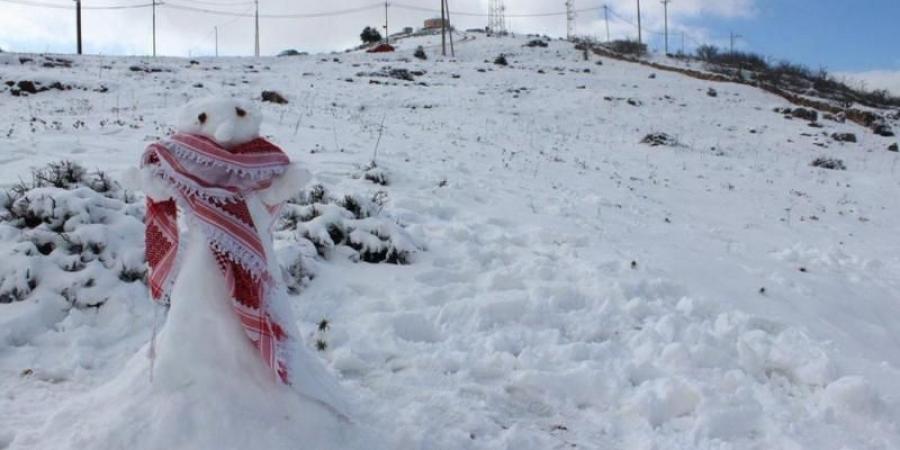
733 38
387 34
640 40
666 20
216 30
154 28
78 23
570 18
606 17
450 27
443 30
682 43
256 20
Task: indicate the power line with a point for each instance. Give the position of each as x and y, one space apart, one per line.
78 23
213 3
475 14
606 18
154 28
734 37
640 40
256 22
273 16
666 20
41 4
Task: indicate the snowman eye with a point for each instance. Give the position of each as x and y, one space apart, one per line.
202 117
240 112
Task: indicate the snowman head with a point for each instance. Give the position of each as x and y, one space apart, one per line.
227 121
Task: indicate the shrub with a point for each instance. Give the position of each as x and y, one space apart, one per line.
370 35
78 228
291 52
707 52
743 60
351 222
628 47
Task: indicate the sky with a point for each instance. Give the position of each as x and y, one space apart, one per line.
853 38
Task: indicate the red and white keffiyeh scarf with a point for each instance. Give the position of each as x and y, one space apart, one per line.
210 183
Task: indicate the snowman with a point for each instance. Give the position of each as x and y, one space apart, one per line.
228 307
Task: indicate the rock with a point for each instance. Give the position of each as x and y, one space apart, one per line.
27 86
844 137
501 60
883 129
536 43
805 114
273 97
420 53
894 147
634 102
830 164
712 92
652 76
657 139
50 61
147 69
401 74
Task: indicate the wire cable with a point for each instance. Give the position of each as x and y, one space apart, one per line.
271 16
60 6
474 14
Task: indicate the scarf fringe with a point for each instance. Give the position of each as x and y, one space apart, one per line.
186 189
222 242
185 152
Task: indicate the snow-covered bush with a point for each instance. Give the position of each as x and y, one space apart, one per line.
70 232
374 173
348 224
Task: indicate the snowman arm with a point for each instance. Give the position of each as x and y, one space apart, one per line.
144 180
286 186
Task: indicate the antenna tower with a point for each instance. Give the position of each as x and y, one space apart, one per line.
496 17
570 19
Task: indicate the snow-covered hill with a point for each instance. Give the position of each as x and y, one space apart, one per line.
577 289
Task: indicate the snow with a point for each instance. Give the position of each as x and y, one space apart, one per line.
569 286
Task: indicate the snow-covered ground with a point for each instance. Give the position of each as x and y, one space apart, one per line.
578 289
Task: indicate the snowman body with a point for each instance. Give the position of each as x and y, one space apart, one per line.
203 337
209 388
